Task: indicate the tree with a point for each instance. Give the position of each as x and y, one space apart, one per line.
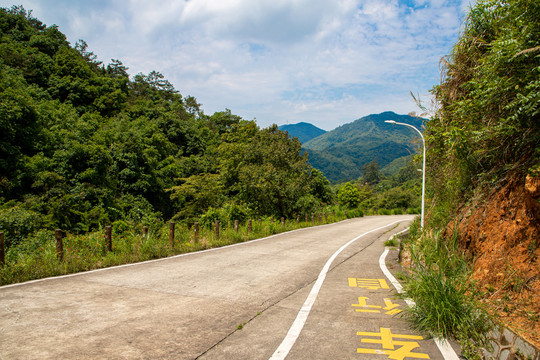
349 196
372 175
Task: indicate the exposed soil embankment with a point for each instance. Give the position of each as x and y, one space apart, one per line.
503 236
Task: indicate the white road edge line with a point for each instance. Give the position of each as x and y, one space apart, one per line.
444 347
294 331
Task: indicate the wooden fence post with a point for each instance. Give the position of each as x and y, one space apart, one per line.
249 226
298 219
313 218
236 226
145 232
196 236
59 246
171 233
306 217
2 251
325 216
283 222
108 237
216 225
319 217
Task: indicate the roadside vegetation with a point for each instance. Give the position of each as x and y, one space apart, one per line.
483 136
37 257
439 280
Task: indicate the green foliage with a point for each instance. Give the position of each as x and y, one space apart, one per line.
443 293
83 145
211 216
17 223
348 196
372 175
488 121
341 153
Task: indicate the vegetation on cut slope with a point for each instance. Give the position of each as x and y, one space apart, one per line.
484 138
488 123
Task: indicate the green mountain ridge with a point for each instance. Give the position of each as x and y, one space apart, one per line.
303 131
341 153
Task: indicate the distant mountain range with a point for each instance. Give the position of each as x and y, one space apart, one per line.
341 153
303 131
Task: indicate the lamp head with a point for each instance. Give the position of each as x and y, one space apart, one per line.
390 121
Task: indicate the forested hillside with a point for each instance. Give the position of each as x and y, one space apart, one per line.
83 144
341 153
484 156
303 131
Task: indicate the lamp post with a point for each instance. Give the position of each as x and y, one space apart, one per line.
423 166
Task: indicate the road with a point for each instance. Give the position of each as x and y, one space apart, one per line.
237 302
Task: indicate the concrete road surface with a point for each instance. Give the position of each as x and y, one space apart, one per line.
237 302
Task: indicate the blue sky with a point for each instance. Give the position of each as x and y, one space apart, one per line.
276 61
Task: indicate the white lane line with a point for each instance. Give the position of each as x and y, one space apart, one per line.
444 347
283 350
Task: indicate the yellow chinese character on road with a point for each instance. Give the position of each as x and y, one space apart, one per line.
395 349
389 306
371 284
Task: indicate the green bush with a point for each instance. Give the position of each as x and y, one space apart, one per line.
17 223
349 196
210 217
232 212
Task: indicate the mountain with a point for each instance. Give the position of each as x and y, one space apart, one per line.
303 131
341 153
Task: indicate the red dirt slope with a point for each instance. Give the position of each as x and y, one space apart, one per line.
503 236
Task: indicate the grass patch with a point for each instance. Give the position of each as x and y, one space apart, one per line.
392 242
444 294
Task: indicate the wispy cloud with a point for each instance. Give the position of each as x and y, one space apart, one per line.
326 62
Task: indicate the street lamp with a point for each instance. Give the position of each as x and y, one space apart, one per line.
423 166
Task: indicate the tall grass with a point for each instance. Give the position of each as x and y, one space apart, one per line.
35 257
441 286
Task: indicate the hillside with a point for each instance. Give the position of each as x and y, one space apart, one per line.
84 145
484 157
341 153
303 131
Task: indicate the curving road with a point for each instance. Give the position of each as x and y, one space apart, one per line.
237 302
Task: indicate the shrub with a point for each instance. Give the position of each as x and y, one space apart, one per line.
210 217
349 196
17 223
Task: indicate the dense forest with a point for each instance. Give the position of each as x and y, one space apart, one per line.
84 144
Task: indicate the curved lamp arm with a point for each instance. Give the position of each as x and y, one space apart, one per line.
423 165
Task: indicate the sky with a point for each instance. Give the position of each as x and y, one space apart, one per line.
326 62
